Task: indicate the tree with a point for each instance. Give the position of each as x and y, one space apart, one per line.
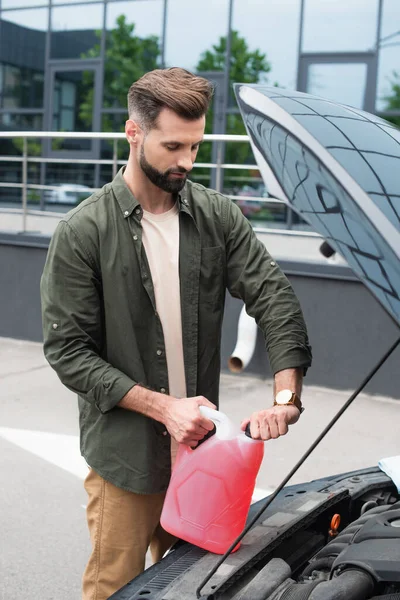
246 66
127 58
393 99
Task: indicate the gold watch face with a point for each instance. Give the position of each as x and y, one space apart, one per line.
283 397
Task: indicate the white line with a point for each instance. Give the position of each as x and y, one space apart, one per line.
63 451
56 448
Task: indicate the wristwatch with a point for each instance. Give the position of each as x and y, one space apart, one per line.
285 397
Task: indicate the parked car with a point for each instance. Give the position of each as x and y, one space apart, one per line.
67 193
336 538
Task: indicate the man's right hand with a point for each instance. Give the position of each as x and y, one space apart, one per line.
184 421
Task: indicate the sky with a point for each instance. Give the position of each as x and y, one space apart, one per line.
272 26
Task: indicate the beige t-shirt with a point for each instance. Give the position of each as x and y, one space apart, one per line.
161 242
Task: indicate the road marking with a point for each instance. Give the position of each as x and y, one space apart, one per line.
63 451
56 448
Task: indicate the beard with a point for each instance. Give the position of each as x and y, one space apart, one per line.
162 180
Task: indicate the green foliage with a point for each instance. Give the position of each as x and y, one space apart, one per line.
393 99
247 66
33 196
127 58
34 147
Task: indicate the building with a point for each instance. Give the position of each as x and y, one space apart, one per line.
60 60
66 66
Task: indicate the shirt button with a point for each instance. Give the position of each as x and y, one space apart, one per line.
163 390
126 213
164 432
159 352
135 237
137 211
55 325
273 264
184 201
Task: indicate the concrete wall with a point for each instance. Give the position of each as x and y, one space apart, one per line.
22 258
348 330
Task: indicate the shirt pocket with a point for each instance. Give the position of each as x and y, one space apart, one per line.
211 275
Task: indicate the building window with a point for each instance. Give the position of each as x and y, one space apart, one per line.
20 87
339 26
75 31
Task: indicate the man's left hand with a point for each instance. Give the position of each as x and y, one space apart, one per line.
271 423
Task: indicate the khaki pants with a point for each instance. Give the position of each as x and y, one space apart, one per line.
122 527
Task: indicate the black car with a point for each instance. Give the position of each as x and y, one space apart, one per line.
336 538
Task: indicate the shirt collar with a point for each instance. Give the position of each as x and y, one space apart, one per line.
127 201
183 200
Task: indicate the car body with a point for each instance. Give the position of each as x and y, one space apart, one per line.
295 528
67 193
336 538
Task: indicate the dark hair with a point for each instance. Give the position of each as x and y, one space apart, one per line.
188 95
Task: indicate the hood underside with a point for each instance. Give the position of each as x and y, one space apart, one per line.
338 168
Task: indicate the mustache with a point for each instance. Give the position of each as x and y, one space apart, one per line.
178 171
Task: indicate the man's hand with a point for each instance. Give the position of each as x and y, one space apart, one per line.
184 421
271 423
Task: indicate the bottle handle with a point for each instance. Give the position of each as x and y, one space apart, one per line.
247 431
225 429
223 422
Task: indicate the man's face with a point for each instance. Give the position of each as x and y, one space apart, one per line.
167 153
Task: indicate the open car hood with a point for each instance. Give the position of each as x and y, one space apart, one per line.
339 169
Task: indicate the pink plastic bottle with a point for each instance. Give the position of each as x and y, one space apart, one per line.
210 492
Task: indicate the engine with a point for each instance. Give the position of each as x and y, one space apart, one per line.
361 563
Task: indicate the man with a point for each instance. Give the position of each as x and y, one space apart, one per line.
133 294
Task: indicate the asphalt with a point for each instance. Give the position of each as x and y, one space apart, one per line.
43 537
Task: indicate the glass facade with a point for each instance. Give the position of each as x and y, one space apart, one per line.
273 28
323 82
71 37
67 66
389 52
20 87
337 26
147 15
193 28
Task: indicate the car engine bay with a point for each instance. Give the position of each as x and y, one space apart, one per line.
330 539
360 562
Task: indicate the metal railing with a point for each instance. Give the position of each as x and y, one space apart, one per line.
115 162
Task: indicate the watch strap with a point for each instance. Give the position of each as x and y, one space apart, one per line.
294 400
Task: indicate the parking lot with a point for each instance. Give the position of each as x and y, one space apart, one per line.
44 542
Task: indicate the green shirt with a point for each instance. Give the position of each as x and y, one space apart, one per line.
102 333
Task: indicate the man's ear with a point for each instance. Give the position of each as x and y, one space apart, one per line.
132 131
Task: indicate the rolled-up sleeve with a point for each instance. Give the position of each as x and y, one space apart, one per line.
72 316
254 276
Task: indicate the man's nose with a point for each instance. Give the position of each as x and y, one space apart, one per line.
185 162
